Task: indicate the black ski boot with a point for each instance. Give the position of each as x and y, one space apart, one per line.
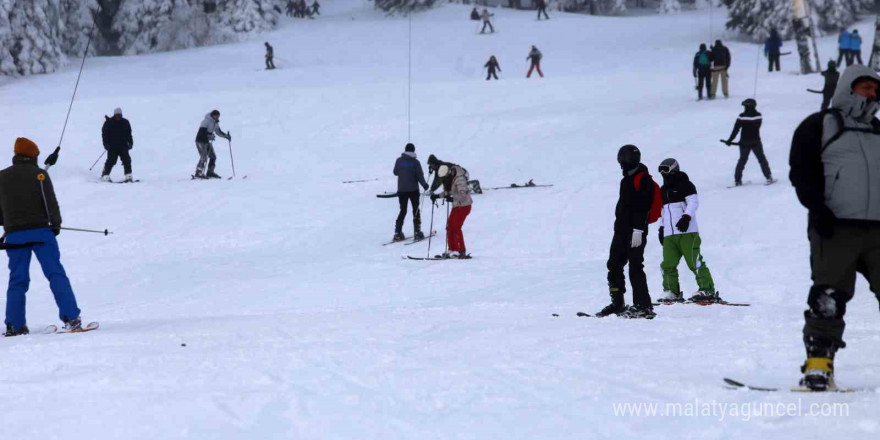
10 331
418 235
639 312
398 236
616 307
212 175
74 325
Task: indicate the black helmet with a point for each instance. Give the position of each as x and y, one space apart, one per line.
668 166
750 103
629 156
832 64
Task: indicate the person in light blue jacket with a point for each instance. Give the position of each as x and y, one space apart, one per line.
855 47
843 47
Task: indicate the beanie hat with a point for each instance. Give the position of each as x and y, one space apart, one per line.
410 148
117 111
26 147
432 160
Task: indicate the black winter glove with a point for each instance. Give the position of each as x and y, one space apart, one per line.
684 223
52 158
106 147
449 199
229 138
729 142
56 231
434 197
823 222
660 235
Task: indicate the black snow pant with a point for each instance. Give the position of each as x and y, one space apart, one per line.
491 74
834 262
774 61
704 78
269 63
856 55
113 155
544 10
206 156
744 152
621 254
841 54
408 198
826 99
491 29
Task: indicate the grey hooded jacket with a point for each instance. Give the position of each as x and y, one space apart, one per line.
851 150
207 129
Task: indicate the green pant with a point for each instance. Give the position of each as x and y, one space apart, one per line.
687 246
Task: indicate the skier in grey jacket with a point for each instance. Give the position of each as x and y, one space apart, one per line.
834 169
204 143
409 176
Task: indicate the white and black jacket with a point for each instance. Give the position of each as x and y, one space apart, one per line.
679 198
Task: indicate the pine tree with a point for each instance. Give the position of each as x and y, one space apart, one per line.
403 6
30 37
755 18
835 15
669 7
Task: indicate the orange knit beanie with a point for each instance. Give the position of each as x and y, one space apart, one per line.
26 147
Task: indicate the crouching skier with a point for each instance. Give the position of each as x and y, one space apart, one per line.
680 236
31 220
455 190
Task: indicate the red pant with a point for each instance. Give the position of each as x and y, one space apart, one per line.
535 66
454 236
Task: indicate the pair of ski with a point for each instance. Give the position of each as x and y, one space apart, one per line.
438 258
529 184
587 315
749 182
86 328
413 241
736 385
194 177
701 303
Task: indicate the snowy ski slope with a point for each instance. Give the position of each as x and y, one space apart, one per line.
266 308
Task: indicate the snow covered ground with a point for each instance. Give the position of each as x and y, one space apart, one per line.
298 324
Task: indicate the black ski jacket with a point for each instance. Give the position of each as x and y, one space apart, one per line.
21 197
720 56
831 78
492 65
409 174
750 124
116 134
676 188
633 206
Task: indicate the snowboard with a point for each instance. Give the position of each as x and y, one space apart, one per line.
86 328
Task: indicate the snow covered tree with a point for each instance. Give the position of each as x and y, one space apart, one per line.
755 18
77 21
594 7
403 6
31 41
669 7
834 15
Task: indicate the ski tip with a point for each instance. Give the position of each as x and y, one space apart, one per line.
734 383
555 315
584 315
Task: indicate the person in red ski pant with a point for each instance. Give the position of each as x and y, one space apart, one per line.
455 190
535 56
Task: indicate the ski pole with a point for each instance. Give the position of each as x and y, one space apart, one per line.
105 231
447 227
98 159
431 235
231 159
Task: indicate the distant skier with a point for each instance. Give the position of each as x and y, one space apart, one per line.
116 134
628 243
680 236
749 121
486 16
834 157
542 8
453 178
409 176
270 55
204 143
703 72
316 8
843 43
475 15
492 65
535 57
831 76
290 8
772 47
720 64
31 219
855 47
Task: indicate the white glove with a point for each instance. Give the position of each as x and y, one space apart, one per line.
637 238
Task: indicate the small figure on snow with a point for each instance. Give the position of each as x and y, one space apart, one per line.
270 55
409 176
486 16
542 8
703 72
843 43
628 243
680 236
205 144
749 121
116 134
31 221
492 65
475 15
855 48
772 50
720 63
834 157
316 8
454 180
831 77
534 57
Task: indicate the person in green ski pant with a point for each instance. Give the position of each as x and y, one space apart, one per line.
680 236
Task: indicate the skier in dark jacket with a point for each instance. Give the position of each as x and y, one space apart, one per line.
475 15
116 134
31 219
772 49
834 157
749 122
409 176
831 77
492 65
535 57
703 71
628 242
209 127
542 8
270 56
720 64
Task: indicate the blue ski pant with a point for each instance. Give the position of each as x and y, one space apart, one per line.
49 256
